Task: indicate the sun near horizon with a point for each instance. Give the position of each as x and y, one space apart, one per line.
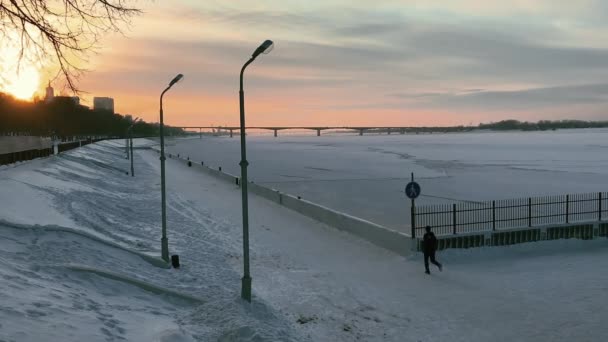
24 86
22 78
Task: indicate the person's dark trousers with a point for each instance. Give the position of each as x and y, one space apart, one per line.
430 255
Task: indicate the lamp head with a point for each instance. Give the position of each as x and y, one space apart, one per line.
265 48
176 79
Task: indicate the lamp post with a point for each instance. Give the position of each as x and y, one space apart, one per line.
130 144
163 241
265 48
130 134
127 143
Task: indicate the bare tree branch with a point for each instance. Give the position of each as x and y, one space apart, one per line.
64 31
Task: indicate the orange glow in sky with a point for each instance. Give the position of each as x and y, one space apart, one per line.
20 80
339 63
25 84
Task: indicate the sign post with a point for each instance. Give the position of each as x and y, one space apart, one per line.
412 191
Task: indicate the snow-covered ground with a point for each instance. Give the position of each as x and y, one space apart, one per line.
311 282
60 286
366 175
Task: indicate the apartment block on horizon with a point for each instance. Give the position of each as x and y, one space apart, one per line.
103 103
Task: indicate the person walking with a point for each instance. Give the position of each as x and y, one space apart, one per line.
429 247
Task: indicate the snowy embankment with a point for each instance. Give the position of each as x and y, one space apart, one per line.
310 281
79 241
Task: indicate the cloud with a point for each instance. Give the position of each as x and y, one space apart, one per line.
523 99
346 55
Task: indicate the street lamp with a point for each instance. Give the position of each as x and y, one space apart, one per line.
130 147
265 48
163 241
127 143
130 134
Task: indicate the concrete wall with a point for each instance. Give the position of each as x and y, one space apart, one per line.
10 144
217 173
44 151
583 231
381 236
269 194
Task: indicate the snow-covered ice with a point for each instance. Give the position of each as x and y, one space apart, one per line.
366 175
310 281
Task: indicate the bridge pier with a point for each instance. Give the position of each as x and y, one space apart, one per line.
388 130
361 131
200 133
231 133
275 132
402 131
318 132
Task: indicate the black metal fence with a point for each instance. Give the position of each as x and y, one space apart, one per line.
470 217
13 157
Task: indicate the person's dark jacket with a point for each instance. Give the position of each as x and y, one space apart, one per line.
429 243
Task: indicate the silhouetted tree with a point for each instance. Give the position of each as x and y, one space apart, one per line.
542 125
63 117
65 30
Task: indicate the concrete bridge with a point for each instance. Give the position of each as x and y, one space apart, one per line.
361 130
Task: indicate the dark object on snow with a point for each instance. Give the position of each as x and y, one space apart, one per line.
306 319
220 168
175 261
202 163
189 164
429 247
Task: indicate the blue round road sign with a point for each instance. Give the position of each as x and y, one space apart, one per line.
412 190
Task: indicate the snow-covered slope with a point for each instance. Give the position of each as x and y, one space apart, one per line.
102 284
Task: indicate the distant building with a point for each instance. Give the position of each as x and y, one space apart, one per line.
50 94
103 103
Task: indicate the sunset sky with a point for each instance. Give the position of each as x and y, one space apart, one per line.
351 62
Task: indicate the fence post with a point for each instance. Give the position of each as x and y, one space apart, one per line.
599 212
567 208
454 217
529 211
493 215
413 221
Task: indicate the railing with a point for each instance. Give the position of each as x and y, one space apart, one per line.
13 157
471 217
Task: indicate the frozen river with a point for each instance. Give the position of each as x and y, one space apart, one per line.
365 175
